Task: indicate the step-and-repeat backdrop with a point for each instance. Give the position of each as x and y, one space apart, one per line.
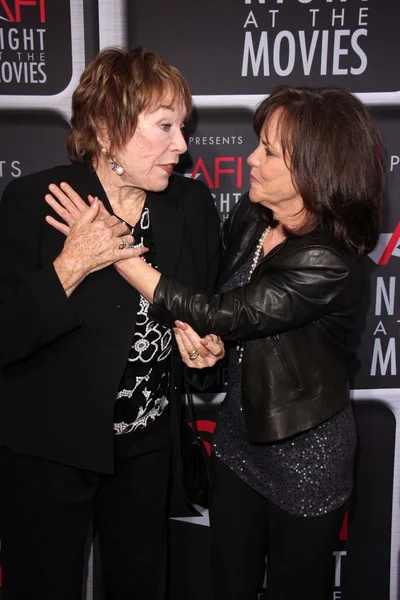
233 52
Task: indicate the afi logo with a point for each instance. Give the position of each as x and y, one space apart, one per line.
388 245
12 9
223 166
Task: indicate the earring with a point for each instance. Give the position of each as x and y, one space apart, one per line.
113 162
116 166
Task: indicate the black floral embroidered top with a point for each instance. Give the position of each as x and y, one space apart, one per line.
142 398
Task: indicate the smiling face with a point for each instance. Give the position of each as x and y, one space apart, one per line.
151 154
270 178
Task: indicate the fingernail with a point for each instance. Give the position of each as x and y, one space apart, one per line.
178 322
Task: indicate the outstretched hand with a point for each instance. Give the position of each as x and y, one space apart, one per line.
197 352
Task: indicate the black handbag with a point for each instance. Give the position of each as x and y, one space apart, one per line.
198 479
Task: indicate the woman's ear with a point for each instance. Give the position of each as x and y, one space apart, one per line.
103 138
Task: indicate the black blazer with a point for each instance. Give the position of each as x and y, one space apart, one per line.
62 359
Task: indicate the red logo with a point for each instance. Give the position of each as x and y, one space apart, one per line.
223 166
204 426
12 9
388 245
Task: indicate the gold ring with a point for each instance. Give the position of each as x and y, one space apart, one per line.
124 245
193 354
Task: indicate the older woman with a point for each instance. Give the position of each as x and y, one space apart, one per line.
88 379
285 440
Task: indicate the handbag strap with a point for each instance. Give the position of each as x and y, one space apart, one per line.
190 409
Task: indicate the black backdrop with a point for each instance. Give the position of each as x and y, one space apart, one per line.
233 52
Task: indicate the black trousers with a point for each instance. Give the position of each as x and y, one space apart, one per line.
47 510
245 527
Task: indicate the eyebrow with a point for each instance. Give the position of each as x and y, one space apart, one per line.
267 143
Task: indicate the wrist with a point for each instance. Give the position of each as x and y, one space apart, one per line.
70 273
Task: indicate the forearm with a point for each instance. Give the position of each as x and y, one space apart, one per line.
269 304
140 275
69 274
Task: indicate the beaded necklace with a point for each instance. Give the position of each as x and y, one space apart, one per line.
256 257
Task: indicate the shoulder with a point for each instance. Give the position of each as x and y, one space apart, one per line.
318 249
35 184
195 200
189 189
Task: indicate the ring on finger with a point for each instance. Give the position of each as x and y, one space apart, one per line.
124 244
193 354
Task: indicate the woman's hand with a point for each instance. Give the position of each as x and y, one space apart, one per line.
70 207
197 352
95 239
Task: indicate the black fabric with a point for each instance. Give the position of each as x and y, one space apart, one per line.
70 353
46 513
245 527
141 408
198 478
295 317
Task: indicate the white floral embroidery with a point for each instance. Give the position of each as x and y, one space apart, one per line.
152 343
129 393
141 420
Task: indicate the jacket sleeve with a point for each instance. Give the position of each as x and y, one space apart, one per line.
307 286
34 309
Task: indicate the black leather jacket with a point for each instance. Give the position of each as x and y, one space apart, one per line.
294 317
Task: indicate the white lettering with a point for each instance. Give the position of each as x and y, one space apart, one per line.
382 293
251 20
359 51
262 54
380 329
291 53
390 356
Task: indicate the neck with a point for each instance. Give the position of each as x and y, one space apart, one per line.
290 213
126 201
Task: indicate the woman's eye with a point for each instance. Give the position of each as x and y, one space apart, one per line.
166 126
268 151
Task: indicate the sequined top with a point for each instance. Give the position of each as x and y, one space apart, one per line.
309 474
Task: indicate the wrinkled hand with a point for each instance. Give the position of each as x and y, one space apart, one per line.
205 352
95 239
70 207
94 243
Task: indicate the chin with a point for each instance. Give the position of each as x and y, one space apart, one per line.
160 186
254 197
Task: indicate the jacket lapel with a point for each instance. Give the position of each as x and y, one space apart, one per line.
168 223
246 230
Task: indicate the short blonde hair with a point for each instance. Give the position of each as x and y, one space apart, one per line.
113 90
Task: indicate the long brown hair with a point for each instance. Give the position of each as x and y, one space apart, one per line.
335 153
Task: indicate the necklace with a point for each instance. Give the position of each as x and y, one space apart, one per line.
256 258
